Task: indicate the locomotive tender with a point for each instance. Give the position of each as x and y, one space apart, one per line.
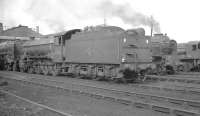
104 51
96 51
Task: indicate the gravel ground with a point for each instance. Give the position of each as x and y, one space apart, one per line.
76 104
11 106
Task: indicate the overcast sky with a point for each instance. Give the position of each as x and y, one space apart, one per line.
180 19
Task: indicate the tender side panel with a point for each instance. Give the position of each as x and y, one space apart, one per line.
94 47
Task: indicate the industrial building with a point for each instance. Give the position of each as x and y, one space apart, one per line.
19 31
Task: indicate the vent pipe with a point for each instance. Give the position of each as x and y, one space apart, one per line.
1 27
37 29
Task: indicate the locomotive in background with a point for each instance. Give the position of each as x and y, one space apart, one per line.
101 51
189 56
164 53
10 52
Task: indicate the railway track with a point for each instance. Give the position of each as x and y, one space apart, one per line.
178 89
183 104
185 90
185 76
128 92
60 113
190 73
174 79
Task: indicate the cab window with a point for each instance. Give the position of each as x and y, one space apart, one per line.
100 69
194 47
198 45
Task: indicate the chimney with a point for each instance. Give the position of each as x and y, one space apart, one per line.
151 30
151 25
37 29
1 27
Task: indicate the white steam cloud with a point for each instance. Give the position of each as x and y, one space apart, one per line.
59 15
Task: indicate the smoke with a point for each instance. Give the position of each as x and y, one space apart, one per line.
59 15
128 15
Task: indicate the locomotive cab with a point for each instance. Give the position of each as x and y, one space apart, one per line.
136 55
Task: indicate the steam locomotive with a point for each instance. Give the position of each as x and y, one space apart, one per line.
101 51
164 53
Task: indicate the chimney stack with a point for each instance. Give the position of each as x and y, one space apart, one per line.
37 29
151 30
151 26
1 27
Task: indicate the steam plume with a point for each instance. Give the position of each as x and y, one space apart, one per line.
128 15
